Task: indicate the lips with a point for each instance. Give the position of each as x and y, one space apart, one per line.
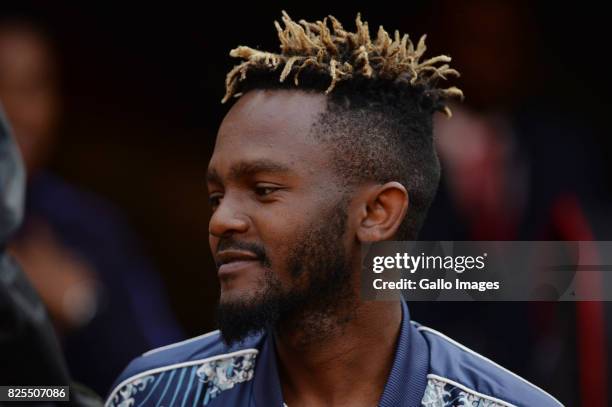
232 261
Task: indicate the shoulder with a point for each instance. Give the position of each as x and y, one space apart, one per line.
458 374
72 206
184 365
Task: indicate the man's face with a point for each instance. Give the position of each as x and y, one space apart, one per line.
29 92
277 231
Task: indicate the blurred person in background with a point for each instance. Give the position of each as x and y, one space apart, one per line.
515 168
103 295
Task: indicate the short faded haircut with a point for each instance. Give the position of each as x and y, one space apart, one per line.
381 97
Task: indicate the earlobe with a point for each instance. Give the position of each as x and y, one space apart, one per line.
386 207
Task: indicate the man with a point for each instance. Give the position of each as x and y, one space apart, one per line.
329 147
29 350
75 248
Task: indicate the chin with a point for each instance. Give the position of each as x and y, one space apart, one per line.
238 295
248 288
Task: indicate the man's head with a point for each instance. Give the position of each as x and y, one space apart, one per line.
29 89
301 176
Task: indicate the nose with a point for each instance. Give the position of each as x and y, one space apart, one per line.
228 219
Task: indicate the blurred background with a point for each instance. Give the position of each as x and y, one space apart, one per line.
116 107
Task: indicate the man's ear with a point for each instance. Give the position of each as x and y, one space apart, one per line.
383 208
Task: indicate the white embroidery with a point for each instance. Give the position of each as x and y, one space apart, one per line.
113 399
224 374
125 396
442 394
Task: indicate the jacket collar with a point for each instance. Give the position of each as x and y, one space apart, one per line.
405 385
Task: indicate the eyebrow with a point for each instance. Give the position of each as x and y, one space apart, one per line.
249 168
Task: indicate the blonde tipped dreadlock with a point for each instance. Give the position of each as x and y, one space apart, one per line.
344 55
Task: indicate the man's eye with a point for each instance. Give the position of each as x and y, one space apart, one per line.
265 190
214 200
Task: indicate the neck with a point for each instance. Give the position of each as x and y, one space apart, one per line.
323 371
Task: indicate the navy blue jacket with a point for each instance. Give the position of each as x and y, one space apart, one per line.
429 370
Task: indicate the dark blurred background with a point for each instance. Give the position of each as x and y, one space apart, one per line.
116 106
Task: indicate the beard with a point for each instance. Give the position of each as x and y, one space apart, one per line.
320 271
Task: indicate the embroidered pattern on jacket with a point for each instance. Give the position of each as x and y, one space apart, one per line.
441 394
125 396
196 383
224 374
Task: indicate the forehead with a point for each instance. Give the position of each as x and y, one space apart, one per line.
23 51
271 125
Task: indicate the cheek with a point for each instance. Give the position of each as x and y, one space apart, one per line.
280 233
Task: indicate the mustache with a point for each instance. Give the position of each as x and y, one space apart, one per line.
233 244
